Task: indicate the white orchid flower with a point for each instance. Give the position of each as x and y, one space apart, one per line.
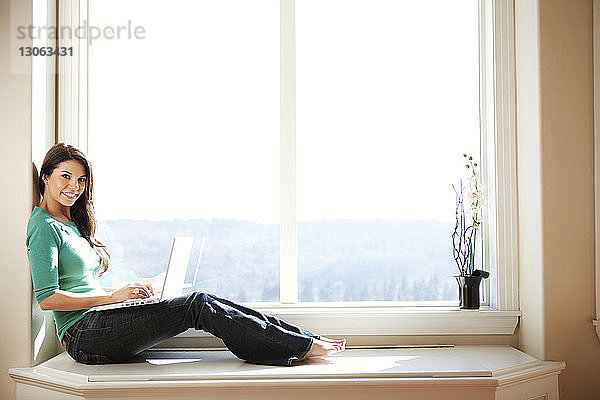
474 177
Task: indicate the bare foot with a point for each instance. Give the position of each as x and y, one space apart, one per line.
322 348
339 342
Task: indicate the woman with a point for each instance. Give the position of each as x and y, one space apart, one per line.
66 260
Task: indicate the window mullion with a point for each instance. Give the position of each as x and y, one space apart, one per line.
499 151
72 118
82 99
486 98
68 74
288 274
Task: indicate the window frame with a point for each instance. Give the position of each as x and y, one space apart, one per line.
500 309
44 90
596 44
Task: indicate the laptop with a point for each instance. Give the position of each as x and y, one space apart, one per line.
174 277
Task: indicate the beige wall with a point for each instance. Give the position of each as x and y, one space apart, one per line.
556 193
15 198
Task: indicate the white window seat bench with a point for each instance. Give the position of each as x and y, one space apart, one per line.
445 372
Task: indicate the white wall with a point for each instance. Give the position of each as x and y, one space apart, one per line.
529 179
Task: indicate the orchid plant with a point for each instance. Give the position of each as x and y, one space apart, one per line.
464 237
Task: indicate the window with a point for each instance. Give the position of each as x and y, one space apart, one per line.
288 125
191 113
375 203
387 103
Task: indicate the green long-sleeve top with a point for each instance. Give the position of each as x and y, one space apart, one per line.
60 258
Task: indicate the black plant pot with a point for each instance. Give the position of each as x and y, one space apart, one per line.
468 291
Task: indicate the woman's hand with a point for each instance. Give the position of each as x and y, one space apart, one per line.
136 290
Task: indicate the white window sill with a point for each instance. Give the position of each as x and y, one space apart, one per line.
453 373
372 320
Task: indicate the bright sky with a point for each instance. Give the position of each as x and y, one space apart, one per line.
185 123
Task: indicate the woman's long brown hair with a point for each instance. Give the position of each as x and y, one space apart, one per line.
82 211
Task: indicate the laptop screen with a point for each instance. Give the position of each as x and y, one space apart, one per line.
178 263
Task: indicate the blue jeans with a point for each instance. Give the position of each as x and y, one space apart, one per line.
113 336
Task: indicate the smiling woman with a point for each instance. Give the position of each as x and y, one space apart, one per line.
66 261
66 183
64 187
